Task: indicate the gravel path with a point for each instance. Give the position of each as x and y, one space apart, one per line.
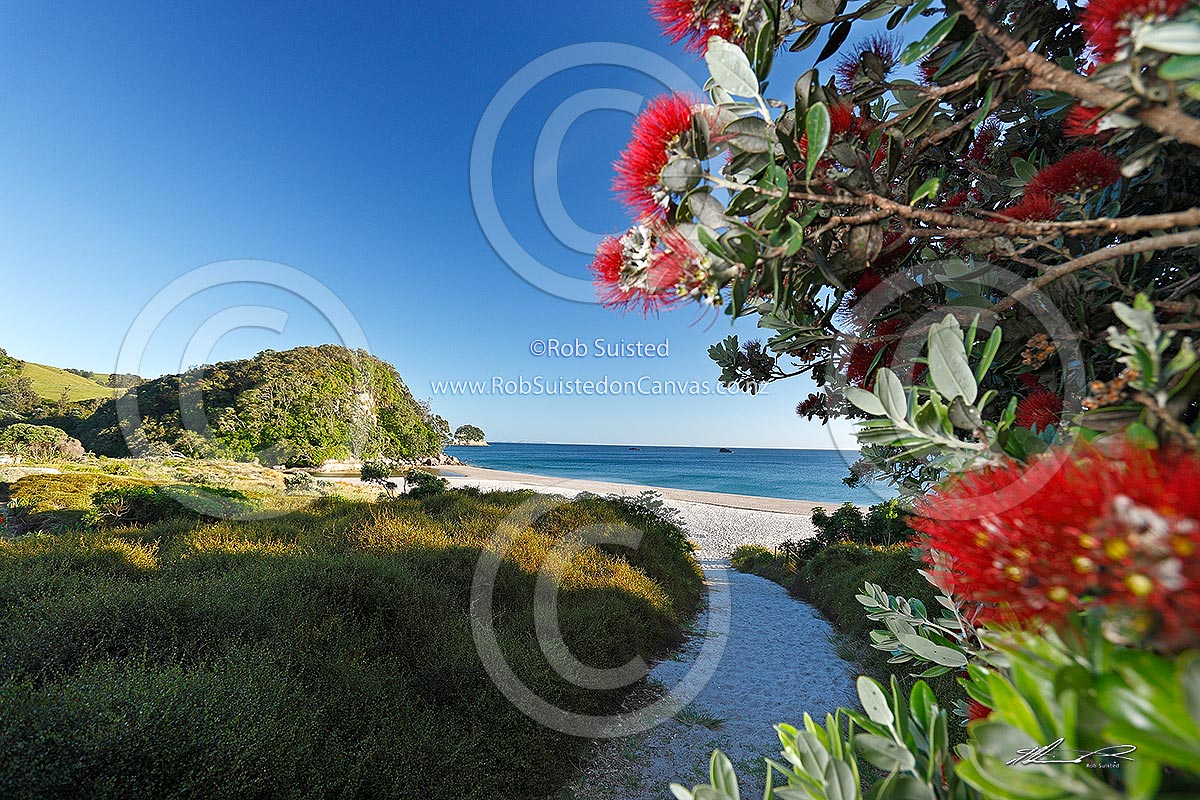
777 664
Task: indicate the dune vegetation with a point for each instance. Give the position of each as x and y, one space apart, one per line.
325 652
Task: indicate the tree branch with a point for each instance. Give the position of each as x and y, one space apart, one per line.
1044 74
1146 244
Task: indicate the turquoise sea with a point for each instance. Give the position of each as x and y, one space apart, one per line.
792 474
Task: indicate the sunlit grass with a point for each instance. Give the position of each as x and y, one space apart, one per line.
325 652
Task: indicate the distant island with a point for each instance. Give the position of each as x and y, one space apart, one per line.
469 436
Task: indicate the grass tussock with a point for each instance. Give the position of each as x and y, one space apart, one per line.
324 653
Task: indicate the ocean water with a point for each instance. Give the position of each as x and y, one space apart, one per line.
791 474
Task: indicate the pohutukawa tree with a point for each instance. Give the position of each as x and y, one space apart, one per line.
1018 165
978 232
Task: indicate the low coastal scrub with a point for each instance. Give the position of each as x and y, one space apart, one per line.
327 652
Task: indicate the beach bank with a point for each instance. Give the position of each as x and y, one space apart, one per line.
717 522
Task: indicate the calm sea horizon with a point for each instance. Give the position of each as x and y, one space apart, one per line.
791 474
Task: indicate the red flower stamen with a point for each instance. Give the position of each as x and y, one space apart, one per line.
656 131
1082 122
1041 409
886 48
686 21
1119 531
1107 23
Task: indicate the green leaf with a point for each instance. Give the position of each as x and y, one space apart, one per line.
989 353
884 753
1189 673
818 11
921 48
865 401
1180 68
946 656
927 189
1142 778
839 781
891 395
905 787
722 776
804 750
985 108
749 134
948 365
709 211
713 246
681 174
874 701
817 128
730 68
1141 437
836 37
1170 37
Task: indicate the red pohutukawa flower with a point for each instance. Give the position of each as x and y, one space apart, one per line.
843 121
982 147
1099 531
977 711
866 357
645 269
658 133
1107 23
882 46
1040 409
1087 168
1083 122
1034 208
1082 170
694 21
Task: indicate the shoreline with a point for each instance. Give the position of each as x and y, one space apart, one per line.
460 476
717 523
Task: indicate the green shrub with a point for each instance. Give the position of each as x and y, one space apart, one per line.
764 562
423 484
148 504
39 443
301 483
469 433
883 524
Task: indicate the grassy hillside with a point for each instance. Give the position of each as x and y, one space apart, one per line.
325 653
48 383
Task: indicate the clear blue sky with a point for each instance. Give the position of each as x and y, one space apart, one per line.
143 140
